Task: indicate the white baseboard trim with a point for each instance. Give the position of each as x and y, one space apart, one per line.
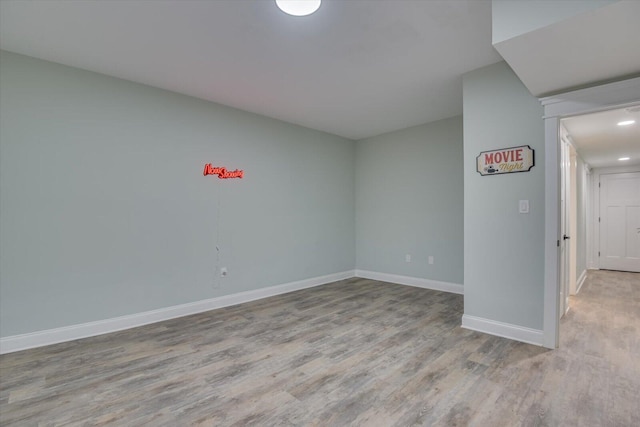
505 330
15 343
412 281
581 279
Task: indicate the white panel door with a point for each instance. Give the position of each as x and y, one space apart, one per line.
620 221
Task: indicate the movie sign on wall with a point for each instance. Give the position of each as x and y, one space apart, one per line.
505 160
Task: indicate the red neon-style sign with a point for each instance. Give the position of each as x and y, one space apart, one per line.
222 172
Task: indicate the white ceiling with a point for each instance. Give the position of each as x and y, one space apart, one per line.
355 68
601 142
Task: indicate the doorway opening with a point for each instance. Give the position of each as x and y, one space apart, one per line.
599 200
623 94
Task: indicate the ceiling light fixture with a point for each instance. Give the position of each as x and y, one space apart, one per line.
626 122
622 159
298 7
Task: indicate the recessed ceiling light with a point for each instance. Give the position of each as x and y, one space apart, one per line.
622 159
298 7
626 123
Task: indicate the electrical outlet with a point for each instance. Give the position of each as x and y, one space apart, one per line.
430 259
407 258
223 272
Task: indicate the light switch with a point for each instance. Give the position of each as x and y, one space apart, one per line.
524 206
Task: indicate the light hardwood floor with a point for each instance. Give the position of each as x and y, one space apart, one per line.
355 352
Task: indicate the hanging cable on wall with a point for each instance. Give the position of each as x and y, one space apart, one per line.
221 173
216 268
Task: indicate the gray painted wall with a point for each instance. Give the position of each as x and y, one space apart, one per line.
409 200
104 210
503 250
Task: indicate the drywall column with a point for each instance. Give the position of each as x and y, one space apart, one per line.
503 249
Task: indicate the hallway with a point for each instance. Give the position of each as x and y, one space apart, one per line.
598 374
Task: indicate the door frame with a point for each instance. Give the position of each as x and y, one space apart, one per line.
573 218
571 177
590 100
565 211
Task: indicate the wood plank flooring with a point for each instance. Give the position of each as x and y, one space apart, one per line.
355 352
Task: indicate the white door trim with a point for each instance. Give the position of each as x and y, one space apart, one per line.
593 99
564 225
591 218
573 219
